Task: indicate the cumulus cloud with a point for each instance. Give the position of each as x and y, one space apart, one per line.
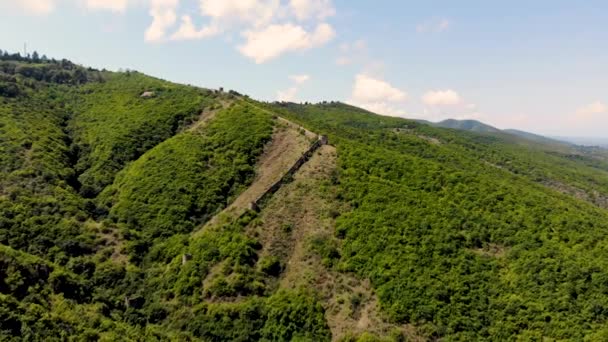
110 5
382 108
269 28
442 98
299 79
369 89
307 9
591 119
37 7
163 17
42 7
352 52
436 25
377 95
591 110
289 94
270 42
188 31
253 12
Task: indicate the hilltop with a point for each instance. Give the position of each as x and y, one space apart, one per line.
480 127
133 208
467 125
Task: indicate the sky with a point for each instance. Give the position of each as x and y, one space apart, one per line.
540 66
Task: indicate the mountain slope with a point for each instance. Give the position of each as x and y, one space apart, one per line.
125 217
463 246
467 125
480 127
534 137
107 141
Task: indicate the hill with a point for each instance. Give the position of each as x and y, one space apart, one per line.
535 137
562 146
132 208
467 125
480 127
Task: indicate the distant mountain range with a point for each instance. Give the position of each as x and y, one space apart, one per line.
480 127
602 142
467 125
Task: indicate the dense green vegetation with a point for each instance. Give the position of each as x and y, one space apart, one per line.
539 162
39 211
223 292
113 124
462 248
103 191
467 125
77 265
156 198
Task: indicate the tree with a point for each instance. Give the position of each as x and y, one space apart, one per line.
35 57
80 76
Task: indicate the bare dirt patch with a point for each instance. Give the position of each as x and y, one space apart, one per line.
208 114
301 214
492 250
109 241
284 149
431 140
594 196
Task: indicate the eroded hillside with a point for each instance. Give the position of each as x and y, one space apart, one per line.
126 214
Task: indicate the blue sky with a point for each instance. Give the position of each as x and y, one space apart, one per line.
536 65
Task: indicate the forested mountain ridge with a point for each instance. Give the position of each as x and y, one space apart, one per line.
597 150
113 226
468 125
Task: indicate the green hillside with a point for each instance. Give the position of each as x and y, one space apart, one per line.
468 242
114 189
467 125
534 137
107 142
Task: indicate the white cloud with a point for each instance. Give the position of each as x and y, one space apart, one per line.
37 7
228 12
369 89
288 95
382 108
307 9
442 98
350 53
187 31
42 7
267 26
591 110
299 79
163 17
436 25
270 42
377 95
592 117
110 5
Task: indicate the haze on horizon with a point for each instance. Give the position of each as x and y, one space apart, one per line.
539 67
